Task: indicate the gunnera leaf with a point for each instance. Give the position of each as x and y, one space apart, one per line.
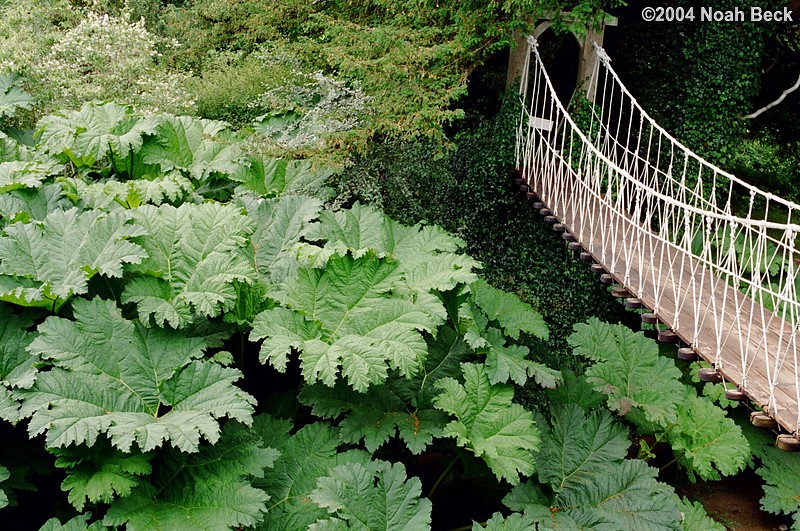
487 422
205 491
96 132
305 456
115 377
4 475
16 363
781 474
195 254
629 370
695 517
12 95
44 263
78 523
372 495
343 320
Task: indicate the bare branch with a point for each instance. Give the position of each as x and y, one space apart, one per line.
774 103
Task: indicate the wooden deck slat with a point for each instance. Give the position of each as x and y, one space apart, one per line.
656 252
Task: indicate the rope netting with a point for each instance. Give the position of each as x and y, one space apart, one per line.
713 256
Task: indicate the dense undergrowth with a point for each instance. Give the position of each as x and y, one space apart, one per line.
207 326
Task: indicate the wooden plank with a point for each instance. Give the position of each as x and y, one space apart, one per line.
657 252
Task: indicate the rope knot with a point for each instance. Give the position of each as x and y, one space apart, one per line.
532 42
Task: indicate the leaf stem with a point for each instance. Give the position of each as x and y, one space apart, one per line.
441 477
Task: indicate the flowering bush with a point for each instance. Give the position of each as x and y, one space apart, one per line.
108 57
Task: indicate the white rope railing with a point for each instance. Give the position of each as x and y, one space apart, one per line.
712 255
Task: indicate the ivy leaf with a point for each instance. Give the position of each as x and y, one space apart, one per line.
695 517
513 315
41 263
348 322
195 253
629 370
210 490
707 442
304 457
95 132
373 495
115 377
577 444
100 473
500 432
12 96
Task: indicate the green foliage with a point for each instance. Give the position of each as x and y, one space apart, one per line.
114 377
781 474
696 519
629 370
12 95
488 423
46 264
207 490
592 485
374 495
645 388
195 254
4 475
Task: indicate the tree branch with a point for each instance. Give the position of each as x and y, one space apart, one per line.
774 103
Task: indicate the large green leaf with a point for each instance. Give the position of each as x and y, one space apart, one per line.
305 456
194 255
16 364
706 441
25 204
513 522
629 370
207 491
513 315
114 377
44 263
577 444
15 175
78 523
695 518
372 495
781 474
343 319
100 473
622 495
375 416
280 225
500 432
192 145
4 475
12 96
428 257
96 132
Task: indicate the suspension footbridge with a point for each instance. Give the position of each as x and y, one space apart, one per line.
713 257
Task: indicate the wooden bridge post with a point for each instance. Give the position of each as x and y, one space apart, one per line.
588 59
